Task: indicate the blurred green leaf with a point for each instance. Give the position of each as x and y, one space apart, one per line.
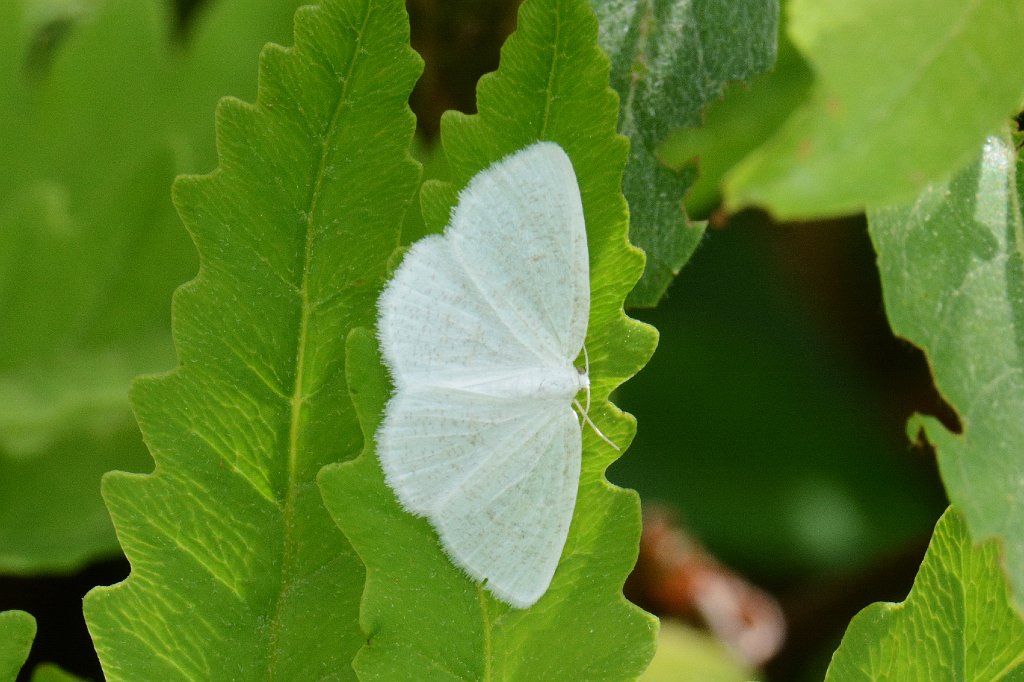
218 59
953 278
686 654
99 111
17 630
956 624
426 618
670 58
237 570
48 672
904 93
82 199
746 117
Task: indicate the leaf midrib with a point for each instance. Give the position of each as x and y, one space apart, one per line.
298 398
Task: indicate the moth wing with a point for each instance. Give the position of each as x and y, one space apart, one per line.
519 233
436 327
506 522
497 478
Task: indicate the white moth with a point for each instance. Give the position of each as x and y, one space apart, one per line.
480 328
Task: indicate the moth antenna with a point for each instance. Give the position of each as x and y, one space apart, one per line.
586 418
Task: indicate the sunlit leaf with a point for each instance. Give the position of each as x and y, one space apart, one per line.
904 92
746 117
237 570
956 624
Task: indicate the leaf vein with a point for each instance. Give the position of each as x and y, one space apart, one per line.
298 398
173 536
231 462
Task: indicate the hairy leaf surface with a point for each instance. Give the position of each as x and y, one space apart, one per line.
904 93
425 618
238 572
952 266
670 58
743 120
956 624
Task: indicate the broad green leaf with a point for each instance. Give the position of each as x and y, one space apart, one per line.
956 625
97 122
426 619
17 630
904 93
238 572
670 58
65 418
952 275
743 120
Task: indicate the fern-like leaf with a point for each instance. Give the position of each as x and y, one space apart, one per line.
425 618
238 572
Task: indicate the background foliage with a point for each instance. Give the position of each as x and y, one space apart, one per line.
772 417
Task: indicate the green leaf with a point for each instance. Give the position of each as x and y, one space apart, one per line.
686 654
904 94
670 58
956 623
99 114
743 120
237 570
59 438
425 618
47 672
17 630
78 215
953 278
224 38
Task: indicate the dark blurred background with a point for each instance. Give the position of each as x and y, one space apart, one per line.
771 418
